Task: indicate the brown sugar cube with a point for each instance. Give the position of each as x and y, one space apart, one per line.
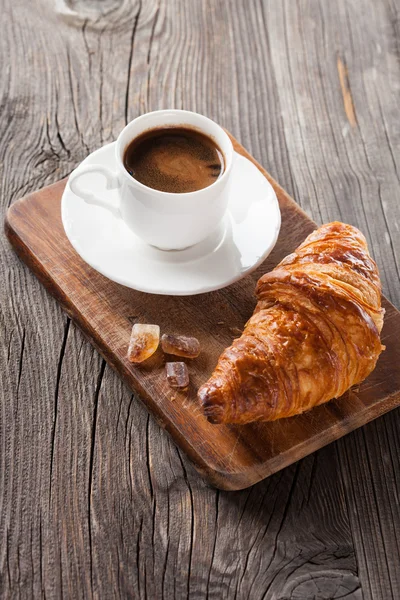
143 343
180 345
177 374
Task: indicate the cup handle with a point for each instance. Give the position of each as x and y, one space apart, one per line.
113 181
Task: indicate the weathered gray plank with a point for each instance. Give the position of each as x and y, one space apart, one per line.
94 498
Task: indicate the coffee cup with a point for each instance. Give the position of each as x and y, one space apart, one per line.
169 221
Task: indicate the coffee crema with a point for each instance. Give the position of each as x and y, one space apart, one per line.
174 159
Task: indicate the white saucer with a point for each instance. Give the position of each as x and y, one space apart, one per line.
245 238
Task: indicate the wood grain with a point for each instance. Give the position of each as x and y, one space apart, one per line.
230 457
146 526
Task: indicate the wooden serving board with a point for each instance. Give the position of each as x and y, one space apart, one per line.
230 457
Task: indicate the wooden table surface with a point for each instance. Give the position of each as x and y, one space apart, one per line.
95 499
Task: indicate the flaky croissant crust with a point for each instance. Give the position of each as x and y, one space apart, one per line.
314 333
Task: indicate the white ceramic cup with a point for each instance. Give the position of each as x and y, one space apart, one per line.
167 220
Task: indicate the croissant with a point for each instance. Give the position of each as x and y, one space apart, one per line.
314 333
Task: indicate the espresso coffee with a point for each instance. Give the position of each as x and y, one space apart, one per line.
174 159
